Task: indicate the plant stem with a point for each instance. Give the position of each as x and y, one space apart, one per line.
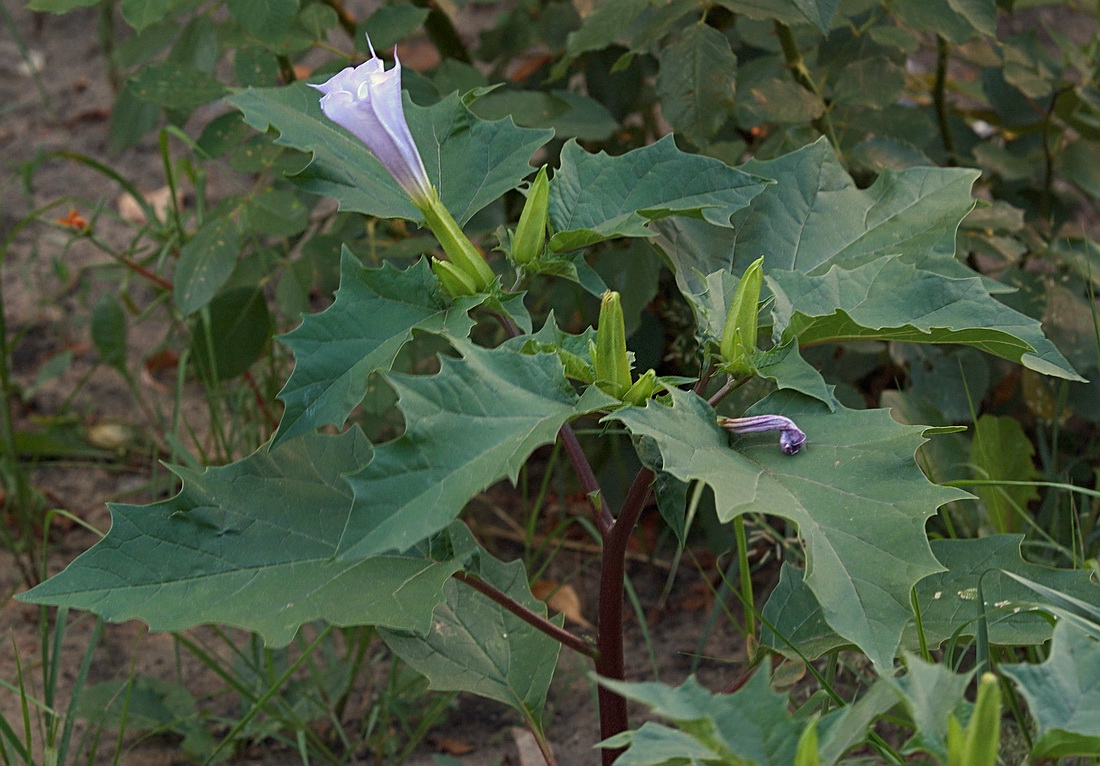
746 578
587 478
561 635
802 76
939 99
611 662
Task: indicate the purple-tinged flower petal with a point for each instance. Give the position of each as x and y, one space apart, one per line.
791 437
366 101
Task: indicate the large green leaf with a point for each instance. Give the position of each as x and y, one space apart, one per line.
252 544
470 161
948 600
595 197
815 216
855 492
891 299
469 426
373 316
1063 695
475 645
751 725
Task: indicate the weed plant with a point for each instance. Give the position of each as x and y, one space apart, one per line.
865 230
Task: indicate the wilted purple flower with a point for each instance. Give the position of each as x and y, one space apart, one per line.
791 437
366 101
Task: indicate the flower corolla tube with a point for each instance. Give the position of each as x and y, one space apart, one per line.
791 437
366 101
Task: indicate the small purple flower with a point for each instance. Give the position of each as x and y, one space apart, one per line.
366 101
791 437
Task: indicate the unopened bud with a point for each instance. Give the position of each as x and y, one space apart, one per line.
739 336
530 237
611 364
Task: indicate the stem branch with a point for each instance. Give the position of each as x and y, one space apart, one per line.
560 635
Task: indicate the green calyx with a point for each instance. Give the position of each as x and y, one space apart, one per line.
461 252
530 237
609 358
454 280
738 342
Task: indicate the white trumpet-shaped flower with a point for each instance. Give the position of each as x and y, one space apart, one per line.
366 101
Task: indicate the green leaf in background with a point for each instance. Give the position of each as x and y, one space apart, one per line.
475 645
815 216
1063 694
470 161
1001 450
695 82
948 600
147 704
819 12
390 24
109 331
568 114
176 86
252 544
751 725
274 23
206 263
892 299
595 197
467 427
856 494
232 334
373 316
140 14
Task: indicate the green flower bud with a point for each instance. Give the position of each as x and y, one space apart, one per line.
456 245
530 237
642 389
979 744
454 280
807 752
739 336
612 366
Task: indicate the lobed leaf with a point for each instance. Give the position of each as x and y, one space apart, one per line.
856 494
475 645
595 197
253 544
373 316
469 426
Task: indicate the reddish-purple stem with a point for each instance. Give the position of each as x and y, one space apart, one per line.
611 662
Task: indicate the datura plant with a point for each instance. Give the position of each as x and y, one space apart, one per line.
776 258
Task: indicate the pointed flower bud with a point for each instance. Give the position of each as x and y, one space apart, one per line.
453 279
739 336
791 437
366 101
612 365
530 236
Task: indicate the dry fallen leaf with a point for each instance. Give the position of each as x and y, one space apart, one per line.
160 200
453 747
561 598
